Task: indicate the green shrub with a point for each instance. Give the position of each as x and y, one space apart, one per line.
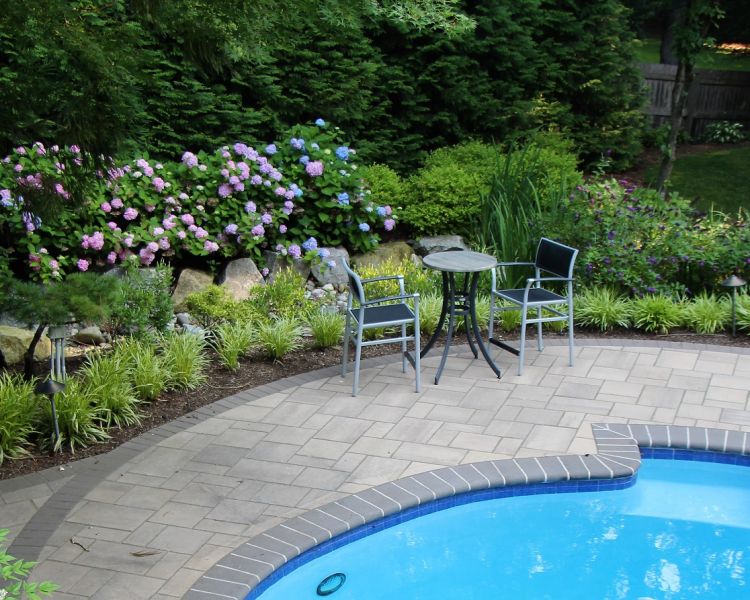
214 305
706 314
743 312
78 416
18 412
601 307
279 337
444 196
144 302
186 355
15 573
417 279
106 379
327 328
656 313
284 297
231 341
430 306
385 185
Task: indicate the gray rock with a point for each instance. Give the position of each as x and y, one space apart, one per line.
14 341
190 281
277 263
183 318
332 275
194 330
439 243
239 276
390 251
89 335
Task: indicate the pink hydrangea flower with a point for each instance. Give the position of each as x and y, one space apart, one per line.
148 171
225 190
210 246
112 226
187 219
169 223
190 160
201 233
112 258
106 207
158 231
116 203
130 214
152 247
128 241
158 183
389 224
282 228
164 243
181 234
314 168
258 230
83 264
146 257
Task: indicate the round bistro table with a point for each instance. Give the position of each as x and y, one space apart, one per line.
459 300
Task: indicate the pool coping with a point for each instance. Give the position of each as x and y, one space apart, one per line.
618 458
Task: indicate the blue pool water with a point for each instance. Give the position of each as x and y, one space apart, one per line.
682 531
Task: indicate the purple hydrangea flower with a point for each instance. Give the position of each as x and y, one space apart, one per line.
225 190
297 144
310 244
282 229
231 229
130 214
295 251
187 219
256 180
264 271
250 207
112 258
304 159
271 149
106 207
266 219
190 160
116 203
201 233
210 246
258 230
164 243
83 264
152 247
389 224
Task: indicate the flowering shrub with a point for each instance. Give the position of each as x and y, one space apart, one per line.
634 239
289 197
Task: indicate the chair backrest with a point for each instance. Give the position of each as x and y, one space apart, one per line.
555 258
355 283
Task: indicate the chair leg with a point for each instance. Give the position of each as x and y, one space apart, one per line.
417 343
539 342
522 347
357 358
571 342
492 315
347 333
403 348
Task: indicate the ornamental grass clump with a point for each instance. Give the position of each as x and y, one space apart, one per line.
327 328
279 337
656 313
231 341
19 408
106 379
743 312
706 314
283 297
603 308
148 371
186 353
79 417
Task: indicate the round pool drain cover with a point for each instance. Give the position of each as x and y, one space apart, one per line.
331 584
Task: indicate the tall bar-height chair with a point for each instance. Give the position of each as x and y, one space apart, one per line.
390 311
554 263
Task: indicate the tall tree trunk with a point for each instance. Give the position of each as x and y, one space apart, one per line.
28 357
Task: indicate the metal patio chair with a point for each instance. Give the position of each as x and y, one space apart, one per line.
554 263
390 311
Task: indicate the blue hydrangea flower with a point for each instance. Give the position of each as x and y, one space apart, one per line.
343 198
297 143
364 227
271 149
310 244
315 146
381 211
320 122
342 152
304 159
324 253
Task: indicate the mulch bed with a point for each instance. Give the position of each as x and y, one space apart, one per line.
256 371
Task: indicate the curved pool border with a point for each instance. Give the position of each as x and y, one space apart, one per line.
256 564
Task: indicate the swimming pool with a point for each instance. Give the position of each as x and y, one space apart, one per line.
264 559
682 531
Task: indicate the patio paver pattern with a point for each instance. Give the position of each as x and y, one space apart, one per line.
148 519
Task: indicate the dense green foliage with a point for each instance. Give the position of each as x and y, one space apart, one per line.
165 76
15 573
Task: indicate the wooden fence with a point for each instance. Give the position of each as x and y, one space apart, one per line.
714 96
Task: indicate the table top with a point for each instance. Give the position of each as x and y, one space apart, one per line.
460 261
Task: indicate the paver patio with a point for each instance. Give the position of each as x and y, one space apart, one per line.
146 520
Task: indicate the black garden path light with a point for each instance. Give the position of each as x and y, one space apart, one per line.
733 282
49 388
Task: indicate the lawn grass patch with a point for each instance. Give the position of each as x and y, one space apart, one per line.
647 51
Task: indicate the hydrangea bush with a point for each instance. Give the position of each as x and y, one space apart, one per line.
290 197
633 239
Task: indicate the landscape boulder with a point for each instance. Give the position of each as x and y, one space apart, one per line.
190 281
439 243
334 275
389 251
239 276
14 341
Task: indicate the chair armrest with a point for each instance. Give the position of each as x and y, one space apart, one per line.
385 278
390 299
540 279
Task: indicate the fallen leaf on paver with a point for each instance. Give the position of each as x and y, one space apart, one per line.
145 553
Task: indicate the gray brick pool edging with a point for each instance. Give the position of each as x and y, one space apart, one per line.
618 456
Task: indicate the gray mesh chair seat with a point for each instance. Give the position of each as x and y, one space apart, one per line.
553 265
387 312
